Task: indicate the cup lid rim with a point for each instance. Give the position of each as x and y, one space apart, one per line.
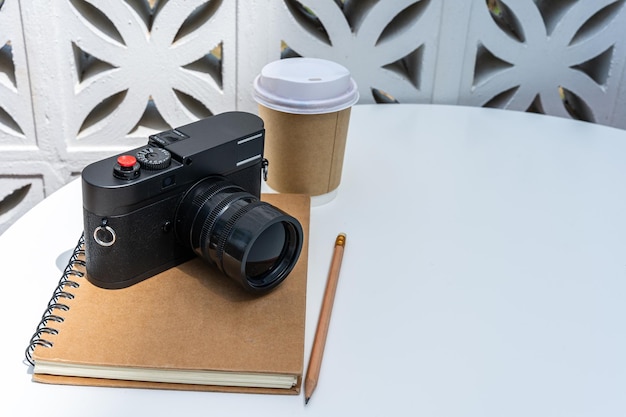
317 86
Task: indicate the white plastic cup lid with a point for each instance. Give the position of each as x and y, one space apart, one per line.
305 86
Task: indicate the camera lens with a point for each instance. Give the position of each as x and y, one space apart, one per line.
249 240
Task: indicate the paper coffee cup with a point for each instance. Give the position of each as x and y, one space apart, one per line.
305 105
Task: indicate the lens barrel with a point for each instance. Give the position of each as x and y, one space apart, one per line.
249 240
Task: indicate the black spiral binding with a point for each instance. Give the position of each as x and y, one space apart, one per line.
55 307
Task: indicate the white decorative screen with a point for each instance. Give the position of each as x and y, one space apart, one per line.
83 79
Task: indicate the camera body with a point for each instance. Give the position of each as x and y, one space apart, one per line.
131 202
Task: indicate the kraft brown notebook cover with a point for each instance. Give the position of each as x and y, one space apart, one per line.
189 322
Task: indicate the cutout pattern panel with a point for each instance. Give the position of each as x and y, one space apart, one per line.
138 67
18 141
389 47
84 79
563 58
16 126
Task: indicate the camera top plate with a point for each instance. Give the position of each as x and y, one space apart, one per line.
186 141
218 145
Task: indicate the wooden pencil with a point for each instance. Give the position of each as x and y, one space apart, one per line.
319 342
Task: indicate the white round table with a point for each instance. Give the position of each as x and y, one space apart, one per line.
484 275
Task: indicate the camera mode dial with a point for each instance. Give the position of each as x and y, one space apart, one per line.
154 158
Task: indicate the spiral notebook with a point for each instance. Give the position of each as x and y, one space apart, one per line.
188 328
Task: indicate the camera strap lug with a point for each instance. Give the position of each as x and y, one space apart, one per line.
264 168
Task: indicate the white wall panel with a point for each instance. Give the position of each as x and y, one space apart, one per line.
20 187
562 58
83 79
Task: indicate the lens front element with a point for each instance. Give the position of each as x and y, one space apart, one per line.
266 252
249 240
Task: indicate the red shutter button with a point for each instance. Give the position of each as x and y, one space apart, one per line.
126 167
126 161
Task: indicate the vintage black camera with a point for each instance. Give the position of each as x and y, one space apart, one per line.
192 190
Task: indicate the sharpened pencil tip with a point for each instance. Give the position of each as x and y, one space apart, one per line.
306 400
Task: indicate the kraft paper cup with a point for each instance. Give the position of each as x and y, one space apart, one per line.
305 104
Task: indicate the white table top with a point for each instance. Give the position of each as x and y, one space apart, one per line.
484 275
